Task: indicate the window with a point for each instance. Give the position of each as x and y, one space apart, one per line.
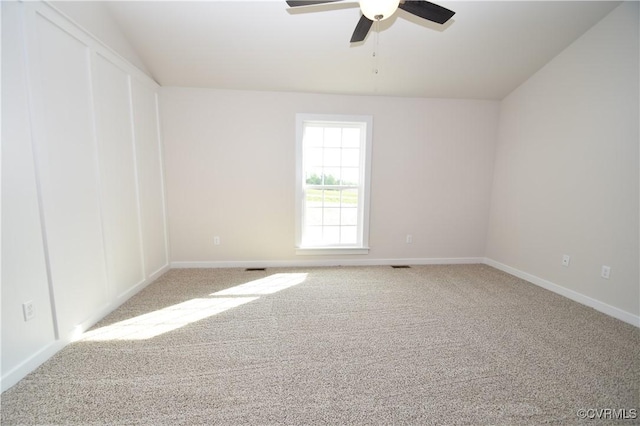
332 197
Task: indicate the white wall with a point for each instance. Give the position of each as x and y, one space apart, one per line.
230 172
81 173
566 175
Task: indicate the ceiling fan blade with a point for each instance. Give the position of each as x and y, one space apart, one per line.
427 10
296 3
362 29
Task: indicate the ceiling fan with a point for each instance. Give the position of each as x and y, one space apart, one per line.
379 10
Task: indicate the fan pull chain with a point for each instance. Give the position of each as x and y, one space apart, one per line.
376 46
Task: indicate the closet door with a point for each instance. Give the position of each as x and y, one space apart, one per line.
67 163
150 173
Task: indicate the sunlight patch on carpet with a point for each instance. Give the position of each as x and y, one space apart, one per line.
267 285
164 320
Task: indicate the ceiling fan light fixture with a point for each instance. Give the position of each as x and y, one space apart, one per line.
378 10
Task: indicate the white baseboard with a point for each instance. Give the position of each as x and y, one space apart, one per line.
325 262
155 275
115 304
27 366
34 361
570 294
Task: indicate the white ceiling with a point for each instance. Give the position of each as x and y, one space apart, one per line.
484 52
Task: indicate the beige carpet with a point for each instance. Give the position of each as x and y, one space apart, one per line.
458 344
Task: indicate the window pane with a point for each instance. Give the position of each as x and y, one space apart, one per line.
331 235
350 157
332 157
331 216
349 216
313 235
332 137
348 234
332 176
313 216
349 198
313 136
350 137
350 176
313 176
313 197
313 157
331 198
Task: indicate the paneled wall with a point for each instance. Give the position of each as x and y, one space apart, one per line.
83 123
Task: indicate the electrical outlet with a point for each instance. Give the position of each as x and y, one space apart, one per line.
28 310
216 241
409 238
566 259
606 271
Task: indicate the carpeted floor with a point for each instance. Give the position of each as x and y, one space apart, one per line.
456 344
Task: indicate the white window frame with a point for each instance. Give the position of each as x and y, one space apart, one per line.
362 245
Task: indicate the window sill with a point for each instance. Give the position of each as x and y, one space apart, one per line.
320 251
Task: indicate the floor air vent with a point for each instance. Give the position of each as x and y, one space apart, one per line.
255 269
400 266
